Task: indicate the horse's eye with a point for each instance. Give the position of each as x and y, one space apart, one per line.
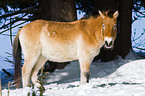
103 26
115 26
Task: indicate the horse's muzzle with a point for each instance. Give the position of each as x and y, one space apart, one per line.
108 43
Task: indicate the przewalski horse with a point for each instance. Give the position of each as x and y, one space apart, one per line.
81 40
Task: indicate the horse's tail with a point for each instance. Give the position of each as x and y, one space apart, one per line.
17 59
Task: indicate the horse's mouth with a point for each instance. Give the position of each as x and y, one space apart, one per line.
111 47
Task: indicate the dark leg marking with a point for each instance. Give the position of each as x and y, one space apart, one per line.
87 75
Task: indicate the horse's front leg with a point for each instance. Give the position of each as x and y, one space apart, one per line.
85 70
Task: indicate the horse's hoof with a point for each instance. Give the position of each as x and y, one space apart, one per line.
27 91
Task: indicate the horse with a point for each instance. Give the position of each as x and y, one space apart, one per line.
81 40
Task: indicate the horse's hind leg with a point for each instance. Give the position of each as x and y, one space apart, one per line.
40 62
29 63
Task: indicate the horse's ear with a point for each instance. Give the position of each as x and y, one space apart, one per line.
101 14
106 13
115 15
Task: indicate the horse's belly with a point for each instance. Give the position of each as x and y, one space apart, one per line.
59 53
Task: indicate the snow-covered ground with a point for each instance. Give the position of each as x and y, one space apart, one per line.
115 78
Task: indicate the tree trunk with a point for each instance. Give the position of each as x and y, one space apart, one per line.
105 5
124 36
57 10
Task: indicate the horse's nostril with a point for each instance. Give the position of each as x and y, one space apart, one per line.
108 43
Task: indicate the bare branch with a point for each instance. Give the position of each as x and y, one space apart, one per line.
26 10
11 32
138 36
140 48
140 43
8 60
12 27
9 74
12 22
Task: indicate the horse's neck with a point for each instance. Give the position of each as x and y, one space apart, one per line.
95 25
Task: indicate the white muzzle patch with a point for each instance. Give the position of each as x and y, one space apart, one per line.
109 42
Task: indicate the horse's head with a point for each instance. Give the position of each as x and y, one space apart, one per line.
109 28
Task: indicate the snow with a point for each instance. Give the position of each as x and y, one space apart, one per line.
27 90
120 77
